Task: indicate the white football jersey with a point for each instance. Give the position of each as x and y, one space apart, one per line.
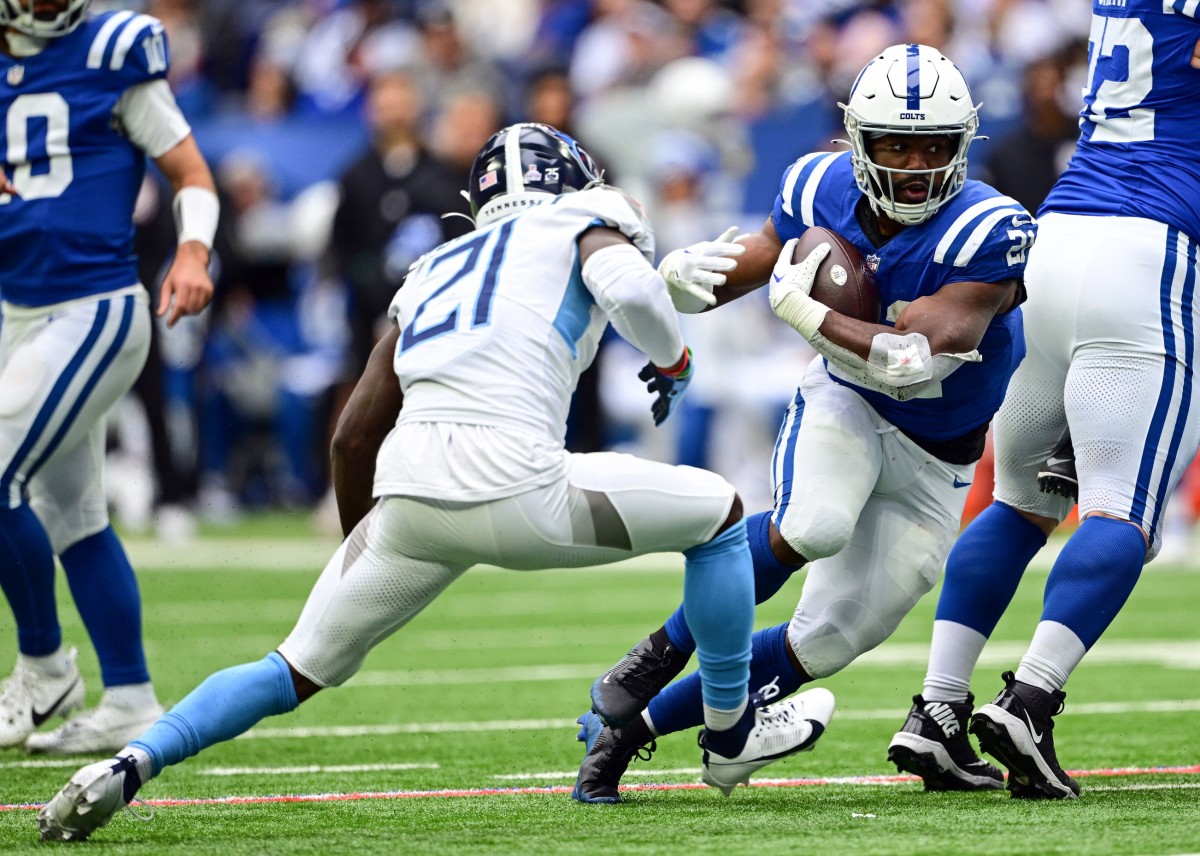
496 327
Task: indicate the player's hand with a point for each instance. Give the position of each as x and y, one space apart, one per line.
668 385
6 186
187 287
790 287
693 272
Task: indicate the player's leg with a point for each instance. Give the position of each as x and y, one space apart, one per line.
366 592
51 373
1134 430
826 462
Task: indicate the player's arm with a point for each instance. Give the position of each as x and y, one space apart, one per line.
633 295
712 273
150 118
933 336
368 416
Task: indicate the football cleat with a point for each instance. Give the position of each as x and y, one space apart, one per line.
104 729
609 752
89 801
623 692
933 744
1017 729
778 730
1058 474
29 698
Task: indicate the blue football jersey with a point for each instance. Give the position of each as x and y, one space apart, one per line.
978 236
1137 154
70 232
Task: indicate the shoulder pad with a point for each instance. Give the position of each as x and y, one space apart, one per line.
615 208
131 46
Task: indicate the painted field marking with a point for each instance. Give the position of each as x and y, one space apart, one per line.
565 789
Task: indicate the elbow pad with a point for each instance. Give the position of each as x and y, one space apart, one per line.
899 366
634 297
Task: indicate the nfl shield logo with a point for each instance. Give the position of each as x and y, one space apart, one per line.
15 75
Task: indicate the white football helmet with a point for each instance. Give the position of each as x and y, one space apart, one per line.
909 89
19 15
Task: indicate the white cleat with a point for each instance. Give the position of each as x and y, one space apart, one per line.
779 730
103 730
30 697
89 801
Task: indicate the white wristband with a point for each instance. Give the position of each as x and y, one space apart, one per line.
196 214
801 312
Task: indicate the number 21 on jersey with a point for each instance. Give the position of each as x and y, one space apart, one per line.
471 283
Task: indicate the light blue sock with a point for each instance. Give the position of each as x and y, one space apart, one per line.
106 594
769 576
679 706
1093 576
718 597
985 566
227 704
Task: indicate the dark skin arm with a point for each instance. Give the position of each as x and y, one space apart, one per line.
754 266
365 421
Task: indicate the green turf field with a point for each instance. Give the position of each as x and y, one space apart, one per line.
481 691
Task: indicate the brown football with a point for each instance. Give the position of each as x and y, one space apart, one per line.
843 282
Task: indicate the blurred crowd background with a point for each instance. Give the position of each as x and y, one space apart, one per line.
341 133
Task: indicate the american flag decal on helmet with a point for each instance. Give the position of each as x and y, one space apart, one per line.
487 180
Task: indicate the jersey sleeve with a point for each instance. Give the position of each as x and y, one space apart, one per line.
131 47
992 248
796 204
612 207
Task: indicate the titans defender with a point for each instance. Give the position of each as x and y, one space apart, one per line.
84 101
492 332
1111 329
876 452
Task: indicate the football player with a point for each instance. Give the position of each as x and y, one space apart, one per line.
873 461
1111 326
492 332
84 101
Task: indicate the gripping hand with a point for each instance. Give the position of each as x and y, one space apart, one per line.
669 386
790 287
693 272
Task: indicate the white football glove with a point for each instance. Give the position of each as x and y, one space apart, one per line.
693 272
790 287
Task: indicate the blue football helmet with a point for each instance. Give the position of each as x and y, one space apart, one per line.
19 14
523 165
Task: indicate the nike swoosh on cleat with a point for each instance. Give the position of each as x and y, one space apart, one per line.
1054 462
41 716
775 278
958 483
1037 738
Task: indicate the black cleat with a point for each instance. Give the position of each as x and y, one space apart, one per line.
1017 729
623 692
609 752
1058 474
933 744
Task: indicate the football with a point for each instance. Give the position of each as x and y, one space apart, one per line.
843 282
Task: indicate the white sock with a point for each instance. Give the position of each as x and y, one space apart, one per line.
141 760
649 722
953 653
130 696
723 720
51 665
1053 654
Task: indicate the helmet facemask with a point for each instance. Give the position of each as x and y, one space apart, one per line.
22 16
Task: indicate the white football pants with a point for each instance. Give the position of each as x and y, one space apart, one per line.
873 512
1110 328
61 368
407 551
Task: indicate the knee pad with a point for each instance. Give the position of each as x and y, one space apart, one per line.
815 531
828 640
67 524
